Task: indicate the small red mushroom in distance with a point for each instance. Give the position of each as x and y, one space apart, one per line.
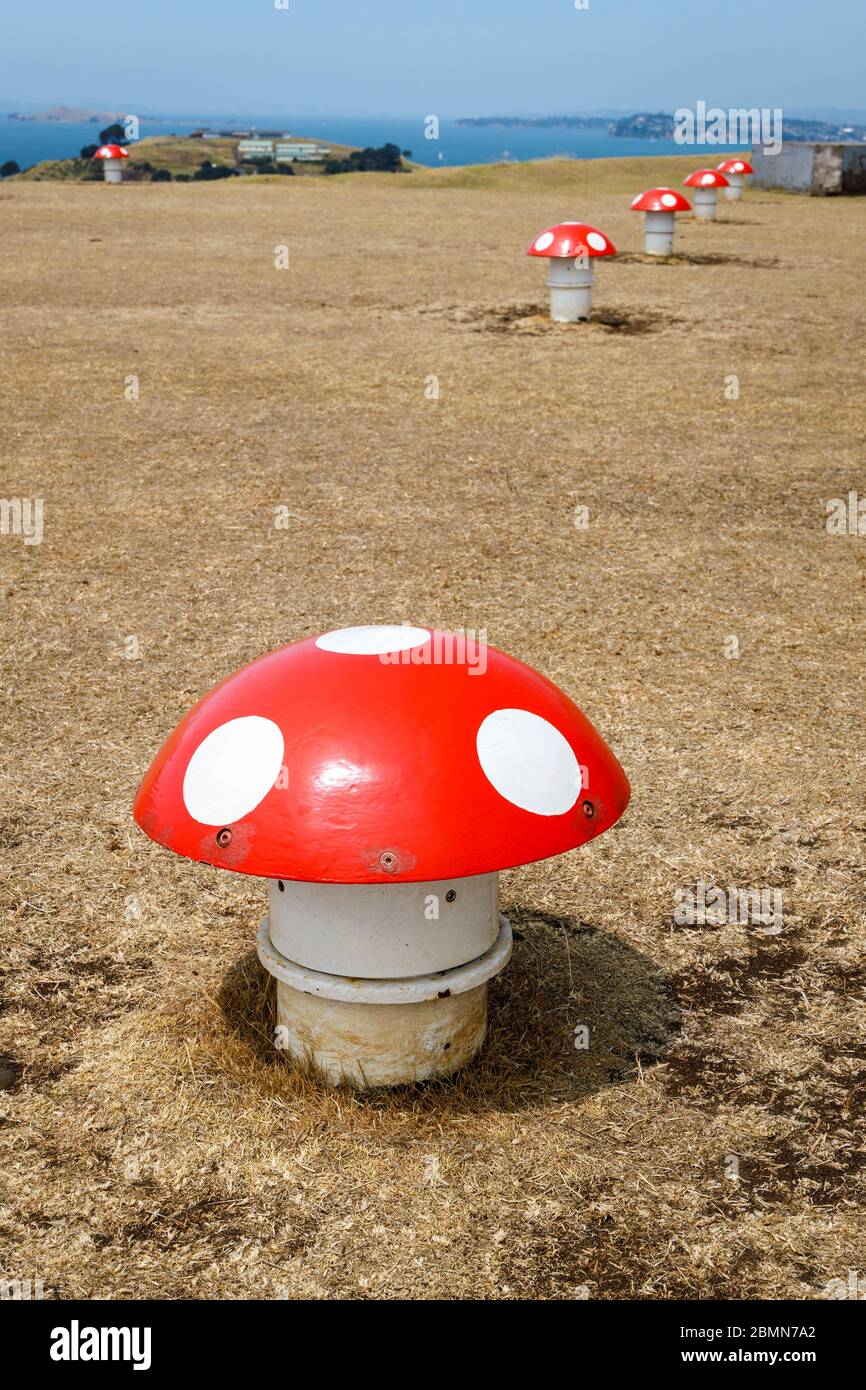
706 184
112 166
379 778
661 206
736 171
571 248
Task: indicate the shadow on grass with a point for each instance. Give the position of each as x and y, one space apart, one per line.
564 976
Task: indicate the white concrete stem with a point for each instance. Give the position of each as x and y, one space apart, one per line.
736 185
383 984
570 282
704 203
113 170
659 233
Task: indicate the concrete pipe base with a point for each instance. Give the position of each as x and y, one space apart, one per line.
368 1033
570 284
735 191
659 233
704 204
368 1045
113 172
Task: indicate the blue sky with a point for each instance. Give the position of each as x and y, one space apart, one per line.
449 57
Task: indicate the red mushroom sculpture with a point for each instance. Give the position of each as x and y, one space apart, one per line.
379 778
661 206
571 248
706 184
736 171
112 157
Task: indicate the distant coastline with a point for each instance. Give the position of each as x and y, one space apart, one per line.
658 125
75 115
38 136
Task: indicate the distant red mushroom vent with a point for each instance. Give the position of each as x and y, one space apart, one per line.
660 206
736 171
735 166
570 247
661 200
706 184
112 157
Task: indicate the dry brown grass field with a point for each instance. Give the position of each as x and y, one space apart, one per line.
152 1142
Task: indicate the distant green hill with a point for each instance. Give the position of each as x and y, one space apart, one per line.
178 154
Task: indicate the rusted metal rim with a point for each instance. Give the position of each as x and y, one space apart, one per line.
413 990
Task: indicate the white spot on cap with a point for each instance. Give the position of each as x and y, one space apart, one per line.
596 241
708 178
739 167
373 641
529 762
232 770
635 201
669 200
546 239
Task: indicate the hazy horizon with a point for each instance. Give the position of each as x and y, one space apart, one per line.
224 57
815 112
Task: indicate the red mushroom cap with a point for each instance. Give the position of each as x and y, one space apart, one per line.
735 166
366 756
572 239
705 178
111 152
661 200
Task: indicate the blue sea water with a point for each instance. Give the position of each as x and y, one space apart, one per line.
30 142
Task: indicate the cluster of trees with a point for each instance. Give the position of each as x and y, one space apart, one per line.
386 159
113 135
269 166
11 166
209 170
143 166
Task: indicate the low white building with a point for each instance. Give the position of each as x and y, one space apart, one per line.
255 149
290 150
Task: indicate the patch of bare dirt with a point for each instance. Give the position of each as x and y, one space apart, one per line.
699 258
534 319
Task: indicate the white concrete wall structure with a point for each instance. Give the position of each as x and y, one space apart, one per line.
811 168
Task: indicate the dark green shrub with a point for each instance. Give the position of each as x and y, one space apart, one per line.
209 170
386 159
113 135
